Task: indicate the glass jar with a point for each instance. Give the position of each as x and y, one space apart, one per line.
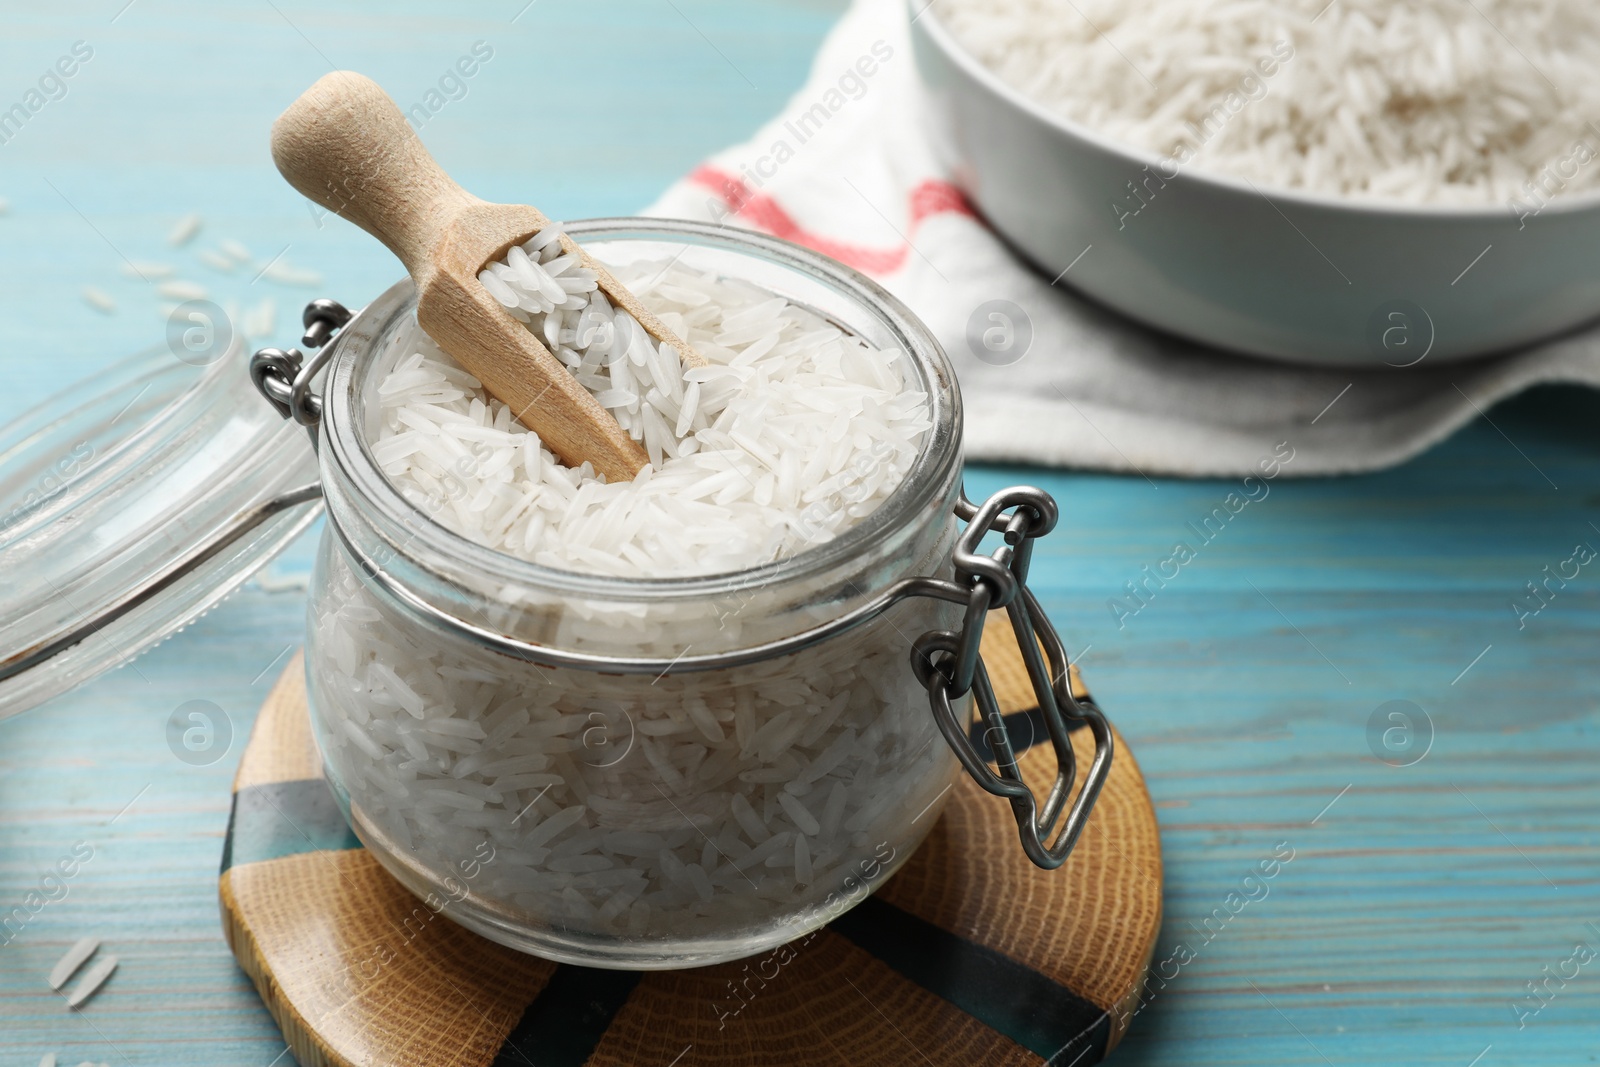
620 772
667 814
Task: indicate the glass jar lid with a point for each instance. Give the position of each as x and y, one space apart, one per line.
131 503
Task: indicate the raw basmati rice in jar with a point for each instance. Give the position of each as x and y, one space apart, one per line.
560 711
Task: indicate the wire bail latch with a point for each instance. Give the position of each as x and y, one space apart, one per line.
950 665
285 377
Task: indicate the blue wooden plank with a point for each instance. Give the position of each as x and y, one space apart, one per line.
1417 906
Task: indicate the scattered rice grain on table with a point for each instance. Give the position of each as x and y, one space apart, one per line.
216 261
71 960
284 274
91 982
182 290
184 230
99 299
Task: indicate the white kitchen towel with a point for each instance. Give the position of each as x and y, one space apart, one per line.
846 169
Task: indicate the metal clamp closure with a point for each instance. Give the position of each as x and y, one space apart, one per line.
285 377
949 665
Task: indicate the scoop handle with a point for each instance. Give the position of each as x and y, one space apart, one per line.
347 146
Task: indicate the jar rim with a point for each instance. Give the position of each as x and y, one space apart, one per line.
344 445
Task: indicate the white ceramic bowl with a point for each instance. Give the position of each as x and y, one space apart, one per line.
1269 272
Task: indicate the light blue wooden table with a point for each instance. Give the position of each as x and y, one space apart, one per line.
1421 901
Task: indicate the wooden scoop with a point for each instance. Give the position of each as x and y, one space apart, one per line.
345 145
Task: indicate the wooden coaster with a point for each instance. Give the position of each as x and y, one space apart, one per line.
968 955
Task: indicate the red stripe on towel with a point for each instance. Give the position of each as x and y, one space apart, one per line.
929 198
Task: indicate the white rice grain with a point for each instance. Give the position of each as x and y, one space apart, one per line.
285 274
184 231
1419 101
216 261
182 290
99 299
69 963
92 980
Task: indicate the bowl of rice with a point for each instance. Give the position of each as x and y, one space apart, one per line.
688 717
1369 183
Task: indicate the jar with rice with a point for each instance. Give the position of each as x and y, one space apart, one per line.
686 718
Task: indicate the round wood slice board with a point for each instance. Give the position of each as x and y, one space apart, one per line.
968 955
